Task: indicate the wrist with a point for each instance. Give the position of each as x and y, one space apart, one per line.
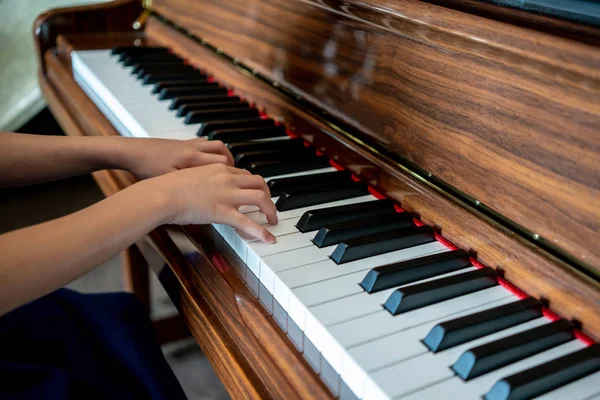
161 202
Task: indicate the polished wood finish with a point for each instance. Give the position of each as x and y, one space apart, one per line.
569 293
223 316
508 115
108 18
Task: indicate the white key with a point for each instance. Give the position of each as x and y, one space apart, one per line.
368 357
298 212
582 389
347 307
364 329
256 250
271 265
303 173
428 368
321 271
475 388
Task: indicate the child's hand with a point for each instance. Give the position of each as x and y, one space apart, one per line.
147 158
215 193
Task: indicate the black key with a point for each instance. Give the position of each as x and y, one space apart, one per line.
138 50
152 77
280 185
242 160
182 70
274 168
225 103
332 234
179 101
209 127
130 60
245 134
548 376
315 219
199 81
158 64
470 327
280 145
380 243
299 198
427 293
195 117
405 272
491 356
197 90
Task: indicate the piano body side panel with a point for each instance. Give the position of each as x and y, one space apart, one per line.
114 17
569 293
507 115
208 302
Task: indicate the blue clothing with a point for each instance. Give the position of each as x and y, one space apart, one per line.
69 345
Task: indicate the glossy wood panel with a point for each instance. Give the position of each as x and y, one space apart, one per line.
505 114
110 18
569 293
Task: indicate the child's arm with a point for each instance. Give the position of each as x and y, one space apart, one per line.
41 258
29 159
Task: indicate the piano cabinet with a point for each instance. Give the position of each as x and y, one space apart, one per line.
249 352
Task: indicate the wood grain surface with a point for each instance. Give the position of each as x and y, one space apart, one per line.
114 17
505 114
215 304
569 293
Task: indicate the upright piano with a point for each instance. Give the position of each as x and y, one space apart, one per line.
436 169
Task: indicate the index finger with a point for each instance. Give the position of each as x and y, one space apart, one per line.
216 147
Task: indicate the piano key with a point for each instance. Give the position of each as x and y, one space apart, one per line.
338 305
298 288
280 145
247 133
491 356
197 90
302 173
198 81
306 197
315 219
178 102
387 276
476 388
229 102
420 372
136 68
271 168
242 160
378 243
391 349
582 389
417 296
260 218
545 377
143 70
334 341
195 117
278 186
457 331
127 104
117 50
335 233
151 78
129 60
209 127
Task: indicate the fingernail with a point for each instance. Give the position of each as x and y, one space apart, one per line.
271 239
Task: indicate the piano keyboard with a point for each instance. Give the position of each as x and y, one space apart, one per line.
379 307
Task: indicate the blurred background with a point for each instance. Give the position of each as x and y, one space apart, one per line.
22 109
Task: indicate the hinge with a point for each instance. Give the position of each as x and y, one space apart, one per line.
147 3
141 20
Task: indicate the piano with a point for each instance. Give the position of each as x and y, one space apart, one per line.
436 170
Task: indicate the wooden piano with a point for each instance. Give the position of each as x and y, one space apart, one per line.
481 121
